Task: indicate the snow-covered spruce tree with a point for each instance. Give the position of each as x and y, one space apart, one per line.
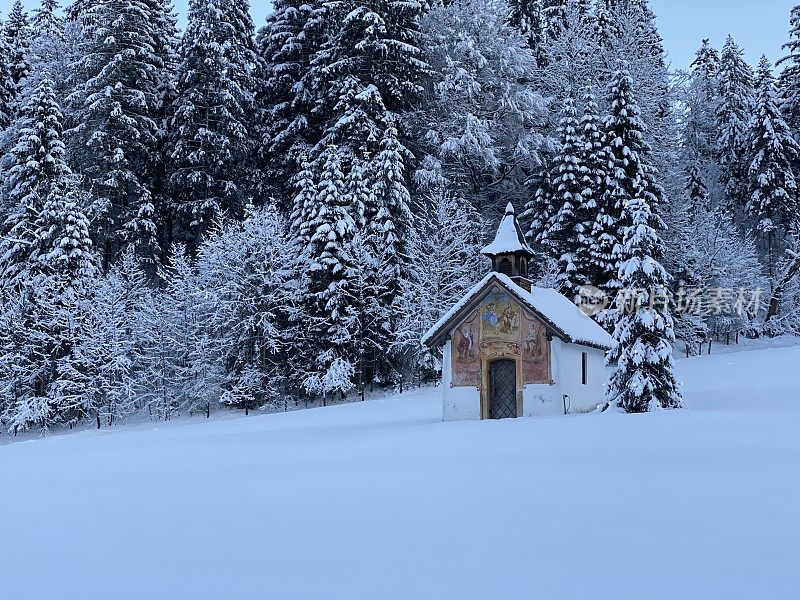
17 33
697 192
114 141
46 19
37 163
539 210
570 217
8 91
789 80
393 220
700 135
211 141
644 378
63 246
292 36
368 71
483 122
774 156
246 271
594 159
630 176
445 262
733 115
327 272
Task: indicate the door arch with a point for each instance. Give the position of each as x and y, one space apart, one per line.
503 389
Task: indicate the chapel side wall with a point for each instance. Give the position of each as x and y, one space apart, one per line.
587 397
458 403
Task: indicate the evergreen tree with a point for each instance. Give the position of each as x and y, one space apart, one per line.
774 154
700 123
697 191
630 176
212 140
17 34
115 139
393 220
644 378
789 81
8 90
594 160
38 164
527 16
733 115
570 215
292 36
46 21
63 245
332 231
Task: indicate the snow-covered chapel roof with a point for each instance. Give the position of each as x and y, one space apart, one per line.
562 316
509 236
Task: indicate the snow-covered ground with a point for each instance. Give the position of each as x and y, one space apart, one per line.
382 501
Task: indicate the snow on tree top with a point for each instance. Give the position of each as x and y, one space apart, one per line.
509 237
556 310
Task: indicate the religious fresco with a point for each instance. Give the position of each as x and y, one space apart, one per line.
499 328
500 318
535 351
466 357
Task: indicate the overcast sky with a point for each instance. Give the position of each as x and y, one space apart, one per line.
760 27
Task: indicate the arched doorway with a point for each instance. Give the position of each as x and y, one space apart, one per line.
503 389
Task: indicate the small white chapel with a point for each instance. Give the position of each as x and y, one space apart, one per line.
515 350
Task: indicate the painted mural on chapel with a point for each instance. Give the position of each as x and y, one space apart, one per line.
500 328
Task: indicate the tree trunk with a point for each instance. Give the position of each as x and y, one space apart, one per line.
778 291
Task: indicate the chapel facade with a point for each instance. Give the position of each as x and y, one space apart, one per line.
511 349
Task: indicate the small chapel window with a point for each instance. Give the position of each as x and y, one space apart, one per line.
505 267
584 368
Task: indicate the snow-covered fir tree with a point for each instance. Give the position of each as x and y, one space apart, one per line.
292 36
774 155
46 19
789 80
38 164
644 378
211 138
594 160
570 217
8 90
115 137
328 273
733 115
17 33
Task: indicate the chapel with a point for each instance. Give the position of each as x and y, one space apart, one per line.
512 349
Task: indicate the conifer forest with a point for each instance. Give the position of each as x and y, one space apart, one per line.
269 216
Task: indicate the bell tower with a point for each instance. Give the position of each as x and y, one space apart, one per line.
509 251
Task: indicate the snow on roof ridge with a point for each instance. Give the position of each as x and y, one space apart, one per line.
567 318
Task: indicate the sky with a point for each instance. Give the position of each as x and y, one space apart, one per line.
759 26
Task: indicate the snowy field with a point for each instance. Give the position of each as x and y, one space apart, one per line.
381 501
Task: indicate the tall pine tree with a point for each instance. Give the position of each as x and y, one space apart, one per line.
211 139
